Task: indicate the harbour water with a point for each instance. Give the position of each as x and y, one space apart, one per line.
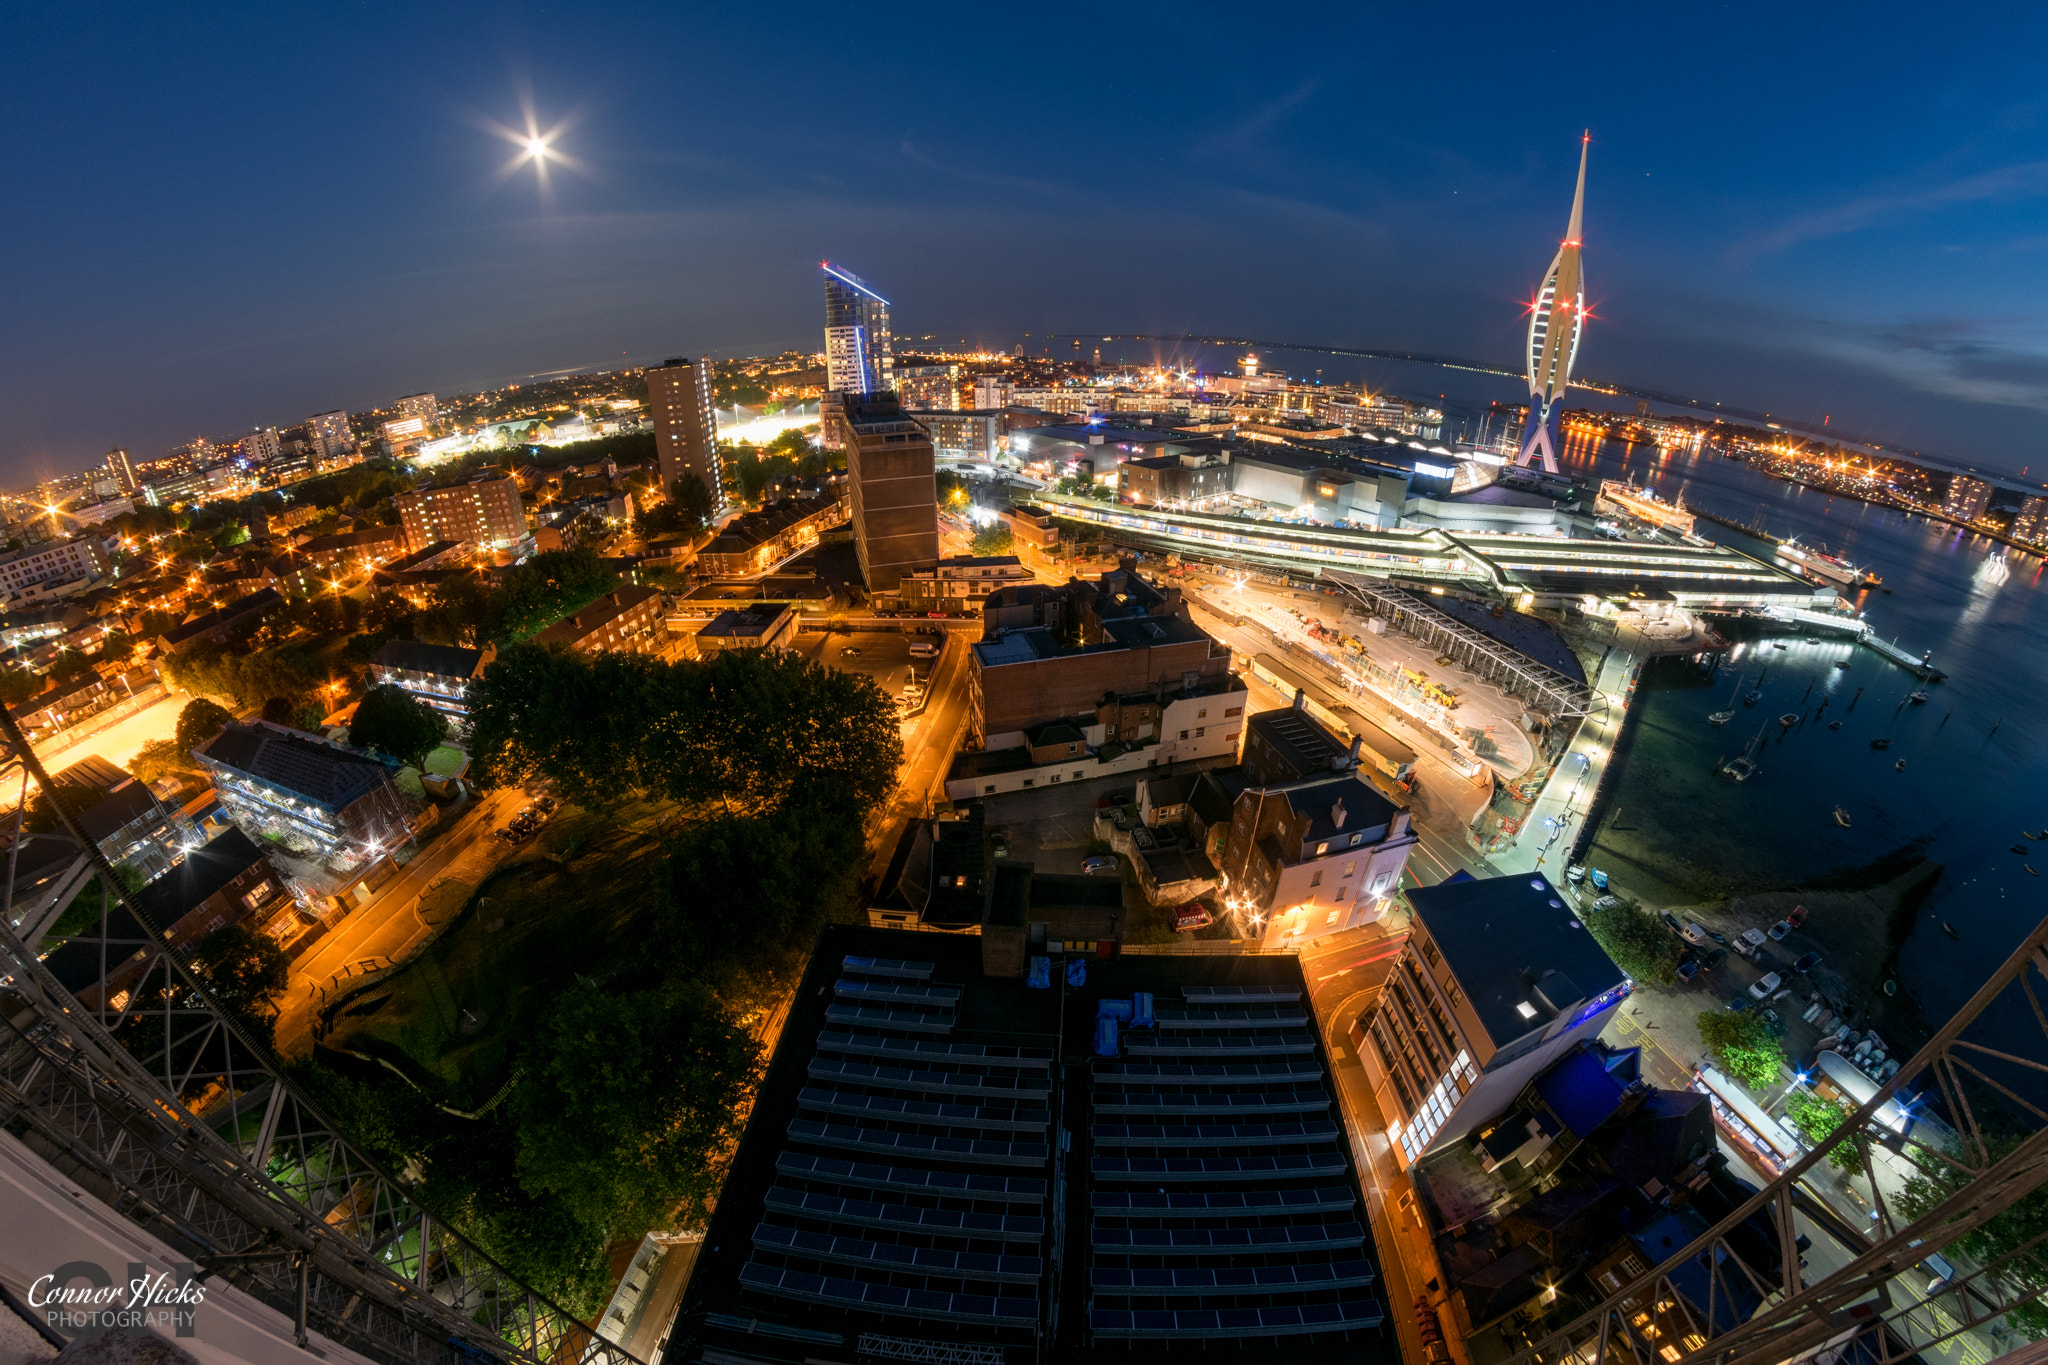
1976 753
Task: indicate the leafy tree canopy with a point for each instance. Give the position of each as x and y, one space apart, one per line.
244 971
1636 940
389 720
200 720
994 539
1742 1045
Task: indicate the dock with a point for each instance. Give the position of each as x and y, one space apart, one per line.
1853 627
1732 524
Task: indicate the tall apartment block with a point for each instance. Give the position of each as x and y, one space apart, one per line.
2031 522
685 427
422 406
485 512
121 469
889 462
330 434
857 343
261 445
1967 498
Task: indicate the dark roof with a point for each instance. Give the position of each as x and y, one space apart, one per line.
1319 797
197 876
1584 1088
1673 1129
446 661
1302 742
748 622
1528 635
254 604
1215 793
1500 935
118 808
960 863
296 762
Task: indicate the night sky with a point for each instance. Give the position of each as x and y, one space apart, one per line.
245 216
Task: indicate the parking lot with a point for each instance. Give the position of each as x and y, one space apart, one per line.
883 655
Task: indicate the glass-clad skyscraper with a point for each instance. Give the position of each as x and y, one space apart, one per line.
857 358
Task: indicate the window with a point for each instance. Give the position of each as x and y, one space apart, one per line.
1201 730
1027 782
1315 878
1321 849
1077 775
1054 778
1332 919
1203 714
1183 734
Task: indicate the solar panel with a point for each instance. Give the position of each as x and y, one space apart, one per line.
890 1300
1230 1102
1234 1203
1204 1241
869 1213
918 1144
867 1016
1211 1134
1018 1089
1277 1017
1003 1188
974 1116
1206 1073
965 1265
1238 995
1155 1168
1222 1045
898 992
1298 1320
887 966
1264 1279
983 1054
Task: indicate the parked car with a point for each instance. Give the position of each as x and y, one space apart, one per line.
1687 971
1101 862
999 844
1749 941
1806 963
1193 915
1693 934
1780 929
1763 989
850 652
1797 917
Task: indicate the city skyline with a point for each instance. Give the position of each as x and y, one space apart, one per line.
244 272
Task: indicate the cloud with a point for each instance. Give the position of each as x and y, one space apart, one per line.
1270 113
1976 360
2027 180
995 178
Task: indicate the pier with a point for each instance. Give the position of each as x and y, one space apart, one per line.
1853 627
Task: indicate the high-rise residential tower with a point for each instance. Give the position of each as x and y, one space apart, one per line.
123 472
330 434
422 406
889 460
857 343
685 427
1967 498
1556 322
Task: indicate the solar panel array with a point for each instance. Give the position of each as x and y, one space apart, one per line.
1218 1204
915 1185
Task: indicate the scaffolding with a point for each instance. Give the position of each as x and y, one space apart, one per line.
1542 687
1866 1312
145 1093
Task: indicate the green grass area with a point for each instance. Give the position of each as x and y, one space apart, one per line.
446 759
574 903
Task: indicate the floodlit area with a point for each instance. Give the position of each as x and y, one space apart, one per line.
121 741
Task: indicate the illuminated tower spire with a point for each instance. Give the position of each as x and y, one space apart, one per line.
1555 325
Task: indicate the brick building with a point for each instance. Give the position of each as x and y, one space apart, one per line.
484 511
759 540
625 621
280 781
889 462
1026 676
1312 857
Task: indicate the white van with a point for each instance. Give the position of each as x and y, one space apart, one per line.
923 649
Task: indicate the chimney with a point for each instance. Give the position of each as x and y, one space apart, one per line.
1337 813
1299 697
1351 759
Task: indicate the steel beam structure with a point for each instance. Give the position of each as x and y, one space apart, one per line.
1538 684
1994 1087
160 1103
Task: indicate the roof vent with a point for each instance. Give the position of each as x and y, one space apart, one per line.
1337 814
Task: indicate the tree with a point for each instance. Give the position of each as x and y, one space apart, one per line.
692 499
390 720
1816 1120
1637 941
632 1104
17 685
994 539
244 971
2017 1232
1741 1043
158 759
201 720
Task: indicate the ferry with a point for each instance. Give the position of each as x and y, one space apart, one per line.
1644 505
1831 567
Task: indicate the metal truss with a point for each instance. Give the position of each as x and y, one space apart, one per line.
158 1102
1521 675
1997 1098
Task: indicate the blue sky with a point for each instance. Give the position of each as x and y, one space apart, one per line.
244 215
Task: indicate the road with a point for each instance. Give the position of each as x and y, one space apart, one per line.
389 927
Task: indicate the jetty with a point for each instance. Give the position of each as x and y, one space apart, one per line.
1800 619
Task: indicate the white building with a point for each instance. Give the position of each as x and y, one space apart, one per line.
330 434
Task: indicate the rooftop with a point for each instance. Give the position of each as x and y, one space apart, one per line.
586 621
295 762
446 661
747 623
1502 937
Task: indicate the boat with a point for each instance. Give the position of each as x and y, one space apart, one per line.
1891 987
1899 766
1880 744
2020 849
2026 834
1744 767
1950 930
2030 870
1918 699
1834 725
1841 817
1834 568
1753 698
1842 664
1720 718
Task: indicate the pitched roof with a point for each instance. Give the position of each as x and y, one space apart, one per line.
446 661
295 762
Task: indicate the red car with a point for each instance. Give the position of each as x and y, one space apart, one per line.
1193 915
